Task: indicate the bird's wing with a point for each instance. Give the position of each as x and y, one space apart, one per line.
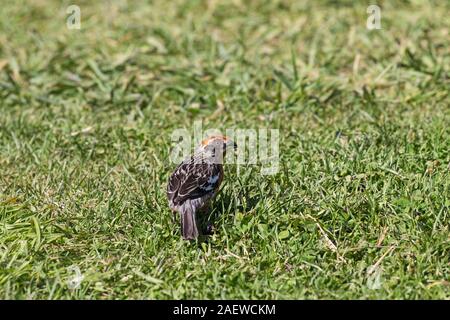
192 180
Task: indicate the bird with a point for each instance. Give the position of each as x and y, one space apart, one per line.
196 181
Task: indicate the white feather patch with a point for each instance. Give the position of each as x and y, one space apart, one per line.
213 180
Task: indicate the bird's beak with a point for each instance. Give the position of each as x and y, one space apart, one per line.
231 144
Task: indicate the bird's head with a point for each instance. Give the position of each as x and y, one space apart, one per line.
215 147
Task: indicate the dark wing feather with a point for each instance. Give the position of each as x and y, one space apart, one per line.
193 179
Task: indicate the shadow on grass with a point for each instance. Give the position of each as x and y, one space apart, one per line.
208 222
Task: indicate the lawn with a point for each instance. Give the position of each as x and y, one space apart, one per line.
359 208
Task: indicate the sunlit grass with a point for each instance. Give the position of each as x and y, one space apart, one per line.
359 208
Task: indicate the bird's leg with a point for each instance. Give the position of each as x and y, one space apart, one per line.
208 229
174 216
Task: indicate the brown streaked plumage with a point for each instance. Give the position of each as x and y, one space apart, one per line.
196 181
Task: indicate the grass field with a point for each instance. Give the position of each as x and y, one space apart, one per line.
359 208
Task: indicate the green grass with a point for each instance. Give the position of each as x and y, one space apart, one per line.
86 116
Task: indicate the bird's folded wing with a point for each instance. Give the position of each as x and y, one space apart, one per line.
193 180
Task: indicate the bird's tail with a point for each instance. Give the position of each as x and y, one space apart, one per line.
189 229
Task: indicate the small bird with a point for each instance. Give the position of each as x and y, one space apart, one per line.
196 181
